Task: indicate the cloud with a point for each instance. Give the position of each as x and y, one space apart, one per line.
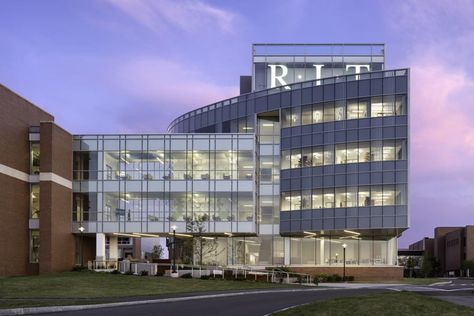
166 89
188 15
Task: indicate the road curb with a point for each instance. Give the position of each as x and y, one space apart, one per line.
69 308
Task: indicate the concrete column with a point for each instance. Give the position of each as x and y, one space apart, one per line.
99 247
287 250
113 247
321 252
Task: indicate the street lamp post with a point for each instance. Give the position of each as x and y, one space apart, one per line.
173 247
81 229
344 263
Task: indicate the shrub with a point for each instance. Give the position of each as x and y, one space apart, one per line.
350 278
129 272
160 273
321 278
186 276
80 269
115 272
143 273
336 278
205 277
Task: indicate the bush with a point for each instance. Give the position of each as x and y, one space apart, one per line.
321 278
350 278
143 273
186 276
129 272
160 273
205 277
80 269
115 272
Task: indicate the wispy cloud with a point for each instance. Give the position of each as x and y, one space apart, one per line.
187 15
166 89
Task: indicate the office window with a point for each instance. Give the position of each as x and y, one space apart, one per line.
286 159
317 199
285 204
340 112
296 116
401 149
306 157
376 151
317 159
296 158
328 198
245 207
328 112
318 113
295 200
306 199
286 117
389 195
388 150
340 197
352 109
351 197
388 105
341 154
329 155
376 195
351 153
363 110
364 152
400 104
245 165
364 196
307 115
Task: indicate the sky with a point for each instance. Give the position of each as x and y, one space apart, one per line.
132 66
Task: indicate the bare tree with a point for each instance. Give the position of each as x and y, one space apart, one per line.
202 245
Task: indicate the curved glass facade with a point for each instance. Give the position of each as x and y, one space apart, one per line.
308 166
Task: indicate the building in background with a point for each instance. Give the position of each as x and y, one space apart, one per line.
313 155
450 248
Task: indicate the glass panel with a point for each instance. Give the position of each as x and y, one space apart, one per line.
364 196
351 153
400 105
388 105
364 152
376 151
340 197
328 198
306 200
35 158
388 195
376 195
286 117
376 107
317 199
295 200
388 150
306 158
340 113
34 245
245 165
285 201
296 158
307 116
352 109
341 154
296 116
285 159
317 113
401 147
363 108
329 155
317 156
328 111
351 197
35 201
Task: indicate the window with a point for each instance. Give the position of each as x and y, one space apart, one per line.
328 111
317 199
352 109
317 113
296 158
306 157
363 110
400 105
340 111
35 158
306 200
376 151
401 147
285 159
328 198
351 153
285 201
317 159
341 154
296 116
329 155
340 197
35 201
286 117
364 152
306 115
34 246
388 150
364 196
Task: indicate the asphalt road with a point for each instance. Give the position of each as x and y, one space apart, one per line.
249 305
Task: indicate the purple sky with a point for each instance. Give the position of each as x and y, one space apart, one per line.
126 66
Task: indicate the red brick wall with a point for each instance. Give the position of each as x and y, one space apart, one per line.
16 116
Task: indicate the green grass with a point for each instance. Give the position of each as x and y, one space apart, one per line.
71 288
387 304
413 281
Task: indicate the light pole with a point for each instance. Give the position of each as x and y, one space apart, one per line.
344 263
81 229
173 245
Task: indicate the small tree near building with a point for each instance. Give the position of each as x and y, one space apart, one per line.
468 267
157 252
430 266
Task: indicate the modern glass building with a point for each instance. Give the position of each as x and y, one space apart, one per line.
311 156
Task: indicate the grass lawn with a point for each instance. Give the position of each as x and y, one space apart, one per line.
413 281
88 287
400 303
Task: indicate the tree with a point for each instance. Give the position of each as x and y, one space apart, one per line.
430 266
202 245
410 265
157 252
468 267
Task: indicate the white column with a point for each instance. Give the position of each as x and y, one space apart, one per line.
113 247
287 250
99 247
321 252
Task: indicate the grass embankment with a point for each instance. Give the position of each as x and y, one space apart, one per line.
71 288
386 304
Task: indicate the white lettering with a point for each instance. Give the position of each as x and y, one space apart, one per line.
274 78
357 68
318 73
